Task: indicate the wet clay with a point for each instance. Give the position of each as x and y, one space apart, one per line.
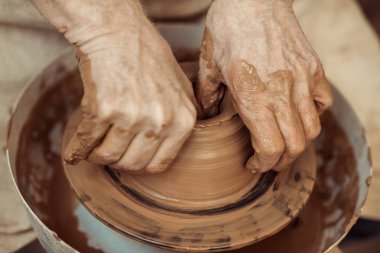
41 181
206 188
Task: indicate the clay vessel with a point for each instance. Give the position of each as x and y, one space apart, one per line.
208 173
206 187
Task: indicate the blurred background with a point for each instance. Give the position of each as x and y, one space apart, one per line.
345 33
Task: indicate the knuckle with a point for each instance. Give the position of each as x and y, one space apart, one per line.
104 157
282 101
328 100
186 120
162 118
319 74
313 132
87 105
293 151
152 135
128 117
325 102
107 110
191 108
271 152
132 113
316 67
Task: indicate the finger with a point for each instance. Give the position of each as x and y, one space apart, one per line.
209 90
309 118
88 134
112 147
322 95
140 152
247 90
187 75
170 147
166 154
292 132
266 139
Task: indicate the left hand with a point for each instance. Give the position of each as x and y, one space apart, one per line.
259 51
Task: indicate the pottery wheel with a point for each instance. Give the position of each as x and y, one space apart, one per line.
205 201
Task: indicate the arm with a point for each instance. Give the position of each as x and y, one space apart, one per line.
277 83
82 21
129 75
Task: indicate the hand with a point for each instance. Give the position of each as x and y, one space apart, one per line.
277 83
138 105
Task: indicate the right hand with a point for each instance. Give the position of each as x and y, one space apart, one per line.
138 105
275 78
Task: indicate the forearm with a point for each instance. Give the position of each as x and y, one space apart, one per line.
246 10
250 16
83 20
257 3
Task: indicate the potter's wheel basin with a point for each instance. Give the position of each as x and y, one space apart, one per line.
344 181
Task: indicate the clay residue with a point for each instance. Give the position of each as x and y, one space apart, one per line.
339 192
40 178
209 89
248 77
207 49
39 169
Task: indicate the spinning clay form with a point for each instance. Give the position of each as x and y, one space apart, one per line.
206 200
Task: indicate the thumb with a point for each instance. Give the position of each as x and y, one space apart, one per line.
208 89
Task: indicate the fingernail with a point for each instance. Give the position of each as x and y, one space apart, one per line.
71 158
70 161
251 166
157 169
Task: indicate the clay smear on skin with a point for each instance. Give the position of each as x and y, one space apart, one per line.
209 88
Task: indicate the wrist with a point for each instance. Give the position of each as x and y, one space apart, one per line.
85 21
99 18
258 4
238 14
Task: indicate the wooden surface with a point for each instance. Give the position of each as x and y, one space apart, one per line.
346 43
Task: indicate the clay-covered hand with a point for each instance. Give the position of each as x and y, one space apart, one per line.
259 51
138 105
